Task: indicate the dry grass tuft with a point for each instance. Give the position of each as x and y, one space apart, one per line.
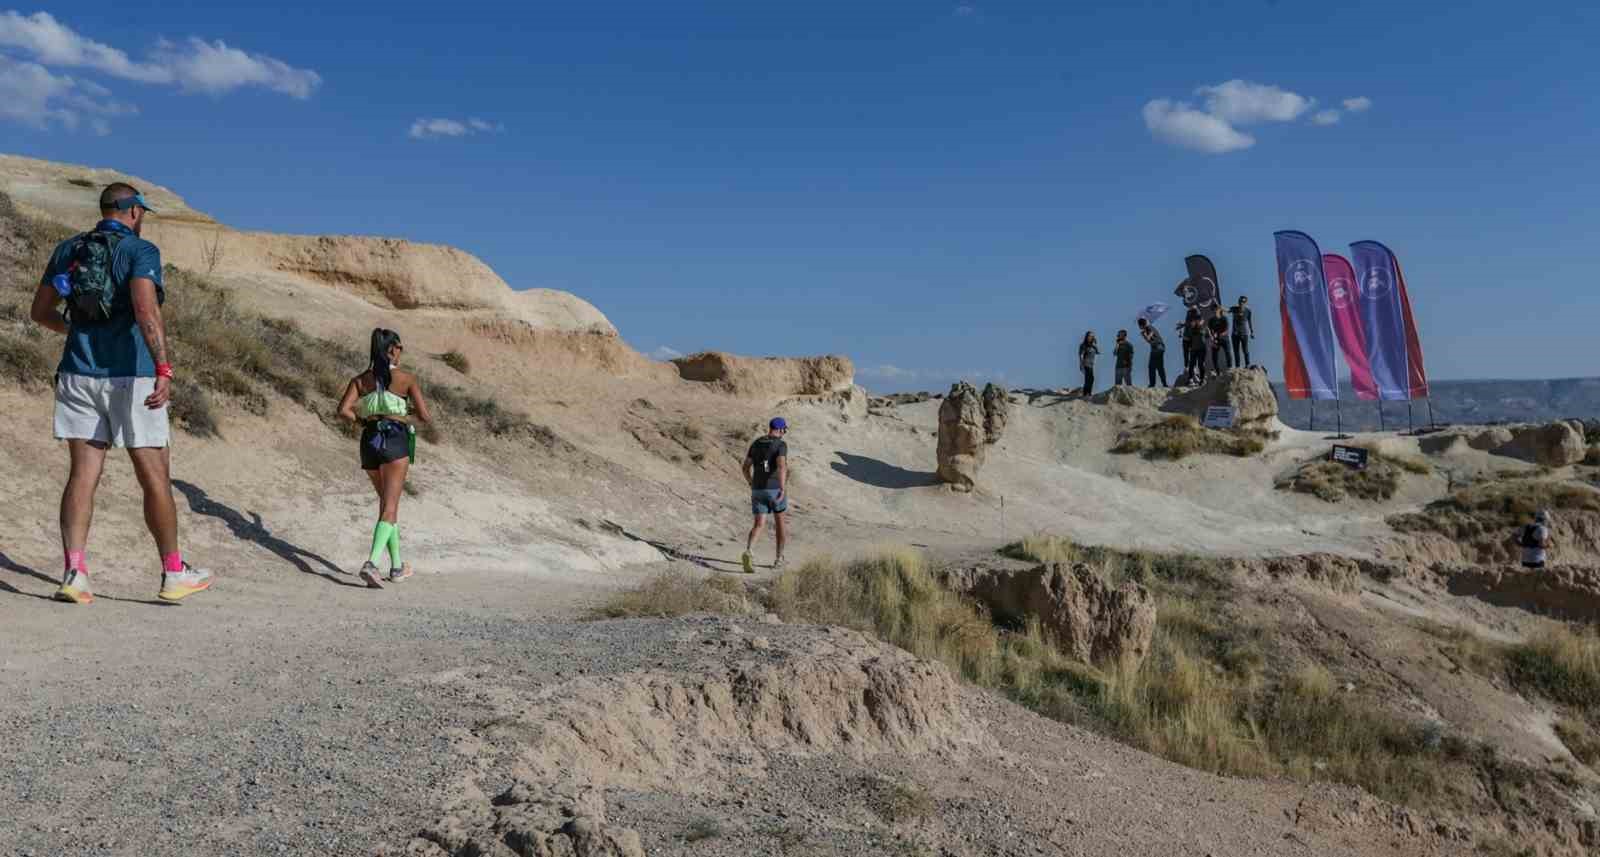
675 593
1180 436
895 801
457 361
1491 509
1561 665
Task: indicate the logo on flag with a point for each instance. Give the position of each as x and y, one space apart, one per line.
1377 284
1301 277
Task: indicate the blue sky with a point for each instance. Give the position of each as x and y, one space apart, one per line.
935 189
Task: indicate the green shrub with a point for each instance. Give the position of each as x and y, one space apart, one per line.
1181 436
457 361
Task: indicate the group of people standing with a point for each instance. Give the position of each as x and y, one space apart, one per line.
1224 343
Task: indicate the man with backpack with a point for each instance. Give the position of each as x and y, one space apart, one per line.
766 468
113 382
1536 542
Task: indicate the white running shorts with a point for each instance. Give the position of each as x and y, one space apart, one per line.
110 411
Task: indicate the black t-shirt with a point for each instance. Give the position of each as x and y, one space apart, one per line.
1124 352
763 457
1243 324
1218 325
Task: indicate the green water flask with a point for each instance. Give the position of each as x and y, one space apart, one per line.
411 442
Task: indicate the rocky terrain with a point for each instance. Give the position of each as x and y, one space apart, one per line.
1108 620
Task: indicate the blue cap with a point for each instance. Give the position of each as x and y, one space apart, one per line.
778 424
128 202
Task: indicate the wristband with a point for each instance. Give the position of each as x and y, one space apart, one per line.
163 370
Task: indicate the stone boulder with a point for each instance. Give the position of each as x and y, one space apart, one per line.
1247 391
1555 445
1089 619
1491 438
961 437
996 411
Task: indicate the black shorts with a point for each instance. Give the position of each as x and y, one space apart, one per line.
382 442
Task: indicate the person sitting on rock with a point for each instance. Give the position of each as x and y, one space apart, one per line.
766 468
1123 373
1536 542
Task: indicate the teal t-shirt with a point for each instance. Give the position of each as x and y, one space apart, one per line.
114 348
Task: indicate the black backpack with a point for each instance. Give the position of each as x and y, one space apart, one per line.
89 274
1530 536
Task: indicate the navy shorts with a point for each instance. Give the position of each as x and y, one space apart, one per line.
383 441
764 501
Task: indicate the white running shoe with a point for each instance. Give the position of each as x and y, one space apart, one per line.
176 586
75 588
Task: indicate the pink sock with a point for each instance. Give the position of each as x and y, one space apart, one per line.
75 561
172 563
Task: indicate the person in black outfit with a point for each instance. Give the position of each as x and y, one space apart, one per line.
766 468
1088 350
1218 328
1158 352
1244 330
1196 341
1124 354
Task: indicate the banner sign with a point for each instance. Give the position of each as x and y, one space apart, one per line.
1200 290
1309 366
1343 303
1394 352
1218 417
1353 457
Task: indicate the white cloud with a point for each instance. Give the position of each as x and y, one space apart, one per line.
1181 125
1357 104
33 94
665 352
214 68
1240 102
51 43
423 129
966 10
888 372
1325 117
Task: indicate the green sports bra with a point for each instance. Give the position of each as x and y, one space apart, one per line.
380 403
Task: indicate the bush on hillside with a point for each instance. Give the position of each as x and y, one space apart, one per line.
1494 508
1333 482
1180 436
457 361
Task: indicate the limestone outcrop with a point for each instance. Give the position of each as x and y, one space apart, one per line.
1557 444
1088 618
996 411
1247 391
768 376
961 437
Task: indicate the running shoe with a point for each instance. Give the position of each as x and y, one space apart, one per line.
398 574
369 575
748 563
75 588
181 585
777 563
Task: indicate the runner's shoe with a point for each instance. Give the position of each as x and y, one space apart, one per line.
369 574
778 563
181 585
748 563
75 588
398 574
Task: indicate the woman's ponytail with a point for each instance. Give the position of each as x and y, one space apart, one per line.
382 341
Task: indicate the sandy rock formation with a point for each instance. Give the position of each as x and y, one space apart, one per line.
996 411
768 376
850 403
1567 592
1555 445
1490 438
1247 391
1089 619
961 436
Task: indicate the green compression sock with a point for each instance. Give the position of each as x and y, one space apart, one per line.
394 546
381 535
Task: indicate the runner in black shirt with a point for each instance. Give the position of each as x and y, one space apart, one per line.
766 468
1218 328
1244 330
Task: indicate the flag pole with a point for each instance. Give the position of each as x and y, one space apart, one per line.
1313 415
1430 412
1380 415
1338 421
1411 427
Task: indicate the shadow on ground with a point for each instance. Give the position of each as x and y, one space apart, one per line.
881 474
253 530
8 564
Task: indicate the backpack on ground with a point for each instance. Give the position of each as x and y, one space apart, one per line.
89 274
1530 536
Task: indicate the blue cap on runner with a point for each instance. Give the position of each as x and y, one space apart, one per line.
778 424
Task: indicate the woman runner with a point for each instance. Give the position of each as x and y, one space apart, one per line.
378 399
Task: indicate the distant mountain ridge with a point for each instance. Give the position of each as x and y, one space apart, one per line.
1460 403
